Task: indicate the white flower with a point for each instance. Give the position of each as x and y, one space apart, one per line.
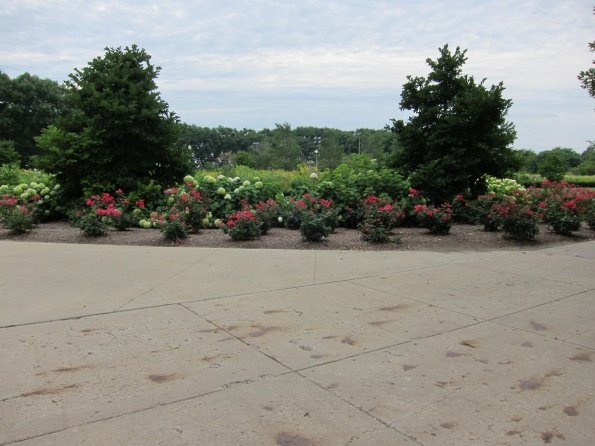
314 176
227 197
280 219
246 183
221 177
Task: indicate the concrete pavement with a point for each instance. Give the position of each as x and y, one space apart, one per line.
119 345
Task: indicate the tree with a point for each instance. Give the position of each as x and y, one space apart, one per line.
567 158
587 77
8 154
28 104
458 130
119 131
330 153
551 166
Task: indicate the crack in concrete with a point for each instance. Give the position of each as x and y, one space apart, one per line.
170 304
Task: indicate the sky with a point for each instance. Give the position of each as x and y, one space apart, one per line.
324 63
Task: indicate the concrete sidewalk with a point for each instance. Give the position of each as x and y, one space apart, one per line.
113 345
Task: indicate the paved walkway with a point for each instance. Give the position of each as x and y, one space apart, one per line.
105 345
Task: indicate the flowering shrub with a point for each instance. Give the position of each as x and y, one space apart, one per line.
408 203
174 227
564 206
519 222
379 217
188 205
314 227
436 219
502 186
267 212
16 219
487 214
295 211
242 225
463 210
90 224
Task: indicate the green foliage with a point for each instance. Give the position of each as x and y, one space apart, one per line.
457 133
502 186
587 77
437 220
551 166
119 131
27 105
17 219
91 225
174 228
8 154
314 227
243 225
520 223
379 217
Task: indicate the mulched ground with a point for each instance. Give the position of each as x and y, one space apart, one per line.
461 238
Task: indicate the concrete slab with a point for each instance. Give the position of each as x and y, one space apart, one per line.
306 326
287 410
474 291
67 373
482 385
571 319
233 271
140 345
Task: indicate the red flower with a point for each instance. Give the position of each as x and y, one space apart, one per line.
140 203
413 193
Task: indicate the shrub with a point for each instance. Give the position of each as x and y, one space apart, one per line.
463 211
436 219
379 216
520 223
502 186
17 220
314 227
242 225
487 214
174 228
563 218
189 204
267 212
91 225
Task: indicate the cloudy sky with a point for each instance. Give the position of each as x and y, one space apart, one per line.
328 63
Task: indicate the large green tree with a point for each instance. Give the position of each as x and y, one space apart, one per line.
28 104
457 132
119 131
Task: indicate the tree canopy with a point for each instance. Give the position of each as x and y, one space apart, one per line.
118 131
458 131
28 104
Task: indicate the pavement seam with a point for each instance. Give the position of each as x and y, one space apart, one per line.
222 388
165 280
362 410
169 304
251 346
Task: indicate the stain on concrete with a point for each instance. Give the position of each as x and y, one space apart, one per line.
329 337
469 343
407 367
273 311
451 354
530 383
447 425
289 439
548 436
317 356
261 331
86 331
538 326
332 386
516 418
396 308
162 378
65 370
513 432
49 390
347 340
526 344
571 411
267 408
582 356
379 323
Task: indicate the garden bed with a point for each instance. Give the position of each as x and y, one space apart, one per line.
460 238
